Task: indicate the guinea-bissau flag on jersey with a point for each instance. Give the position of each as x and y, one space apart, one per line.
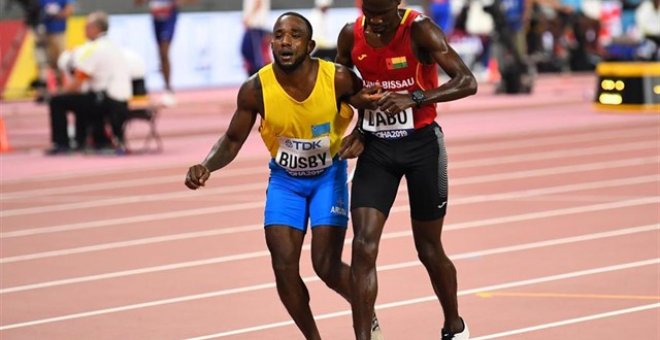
396 63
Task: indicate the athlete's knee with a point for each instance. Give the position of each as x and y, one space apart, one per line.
365 251
431 253
284 268
325 266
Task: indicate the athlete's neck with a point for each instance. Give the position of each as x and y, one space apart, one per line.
298 82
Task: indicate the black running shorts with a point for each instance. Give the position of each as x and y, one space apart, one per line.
421 157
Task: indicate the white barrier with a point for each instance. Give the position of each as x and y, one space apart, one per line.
205 51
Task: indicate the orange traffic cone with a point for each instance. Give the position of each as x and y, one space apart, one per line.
493 71
4 140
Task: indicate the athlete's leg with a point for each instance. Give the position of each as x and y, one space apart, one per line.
285 218
327 246
373 192
328 215
368 226
427 191
441 270
285 244
164 29
164 54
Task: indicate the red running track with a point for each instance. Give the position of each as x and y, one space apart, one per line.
553 226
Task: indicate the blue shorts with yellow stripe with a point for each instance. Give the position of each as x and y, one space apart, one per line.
294 200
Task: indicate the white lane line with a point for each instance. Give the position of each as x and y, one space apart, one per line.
433 298
187 298
180 194
260 204
252 255
133 219
399 208
256 186
529 141
537 141
130 183
546 155
622 163
525 157
570 321
135 242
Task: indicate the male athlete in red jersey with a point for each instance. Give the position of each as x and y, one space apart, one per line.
399 50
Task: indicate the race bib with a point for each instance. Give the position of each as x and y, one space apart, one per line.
304 157
387 126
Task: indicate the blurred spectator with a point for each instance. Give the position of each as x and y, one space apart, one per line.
102 65
50 40
480 24
326 44
647 19
511 19
54 15
165 14
440 12
629 8
583 30
255 47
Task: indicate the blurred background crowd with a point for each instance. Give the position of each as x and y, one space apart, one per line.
510 39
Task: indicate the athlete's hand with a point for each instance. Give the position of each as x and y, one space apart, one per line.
392 103
352 145
197 176
367 97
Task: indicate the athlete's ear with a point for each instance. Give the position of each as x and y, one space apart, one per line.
311 45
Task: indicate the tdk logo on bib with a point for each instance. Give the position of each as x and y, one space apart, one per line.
303 145
304 157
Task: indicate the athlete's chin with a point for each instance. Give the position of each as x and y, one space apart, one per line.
288 65
378 29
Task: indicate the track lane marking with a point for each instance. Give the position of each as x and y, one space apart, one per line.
511 284
87 203
489 295
524 157
569 321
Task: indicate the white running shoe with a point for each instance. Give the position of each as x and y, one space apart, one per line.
167 99
376 333
463 335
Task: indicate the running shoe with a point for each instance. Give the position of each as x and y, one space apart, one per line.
463 335
376 333
168 99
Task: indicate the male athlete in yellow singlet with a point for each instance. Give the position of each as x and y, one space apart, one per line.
302 105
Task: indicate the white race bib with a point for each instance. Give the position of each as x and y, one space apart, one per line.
304 157
387 126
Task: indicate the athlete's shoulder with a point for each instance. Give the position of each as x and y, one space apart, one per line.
342 73
250 94
422 20
347 30
424 27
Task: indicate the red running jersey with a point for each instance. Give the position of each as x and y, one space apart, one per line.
395 68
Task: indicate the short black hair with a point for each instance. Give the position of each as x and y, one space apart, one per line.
296 14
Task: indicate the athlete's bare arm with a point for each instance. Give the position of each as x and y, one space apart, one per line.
344 46
249 103
430 46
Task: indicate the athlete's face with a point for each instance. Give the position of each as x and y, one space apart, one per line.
381 16
292 42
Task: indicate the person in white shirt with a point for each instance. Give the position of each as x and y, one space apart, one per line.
255 47
102 65
647 21
326 44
